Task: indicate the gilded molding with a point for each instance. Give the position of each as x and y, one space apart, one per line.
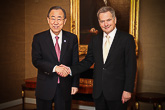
75 22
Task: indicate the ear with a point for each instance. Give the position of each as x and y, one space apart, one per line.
65 21
115 20
48 20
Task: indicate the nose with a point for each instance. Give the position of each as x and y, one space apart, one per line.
105 23
55 21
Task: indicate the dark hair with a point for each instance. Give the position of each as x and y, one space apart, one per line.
56 8
106 9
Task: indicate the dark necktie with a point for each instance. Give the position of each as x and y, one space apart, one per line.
57 48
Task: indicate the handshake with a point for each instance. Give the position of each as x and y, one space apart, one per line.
62 70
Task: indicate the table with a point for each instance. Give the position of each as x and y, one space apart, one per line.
30 85
85 87
149 97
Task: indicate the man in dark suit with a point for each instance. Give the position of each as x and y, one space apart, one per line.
50 49
113 53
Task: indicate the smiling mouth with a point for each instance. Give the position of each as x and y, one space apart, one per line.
106 27
55 27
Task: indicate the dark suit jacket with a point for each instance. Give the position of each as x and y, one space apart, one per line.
44 58
118 72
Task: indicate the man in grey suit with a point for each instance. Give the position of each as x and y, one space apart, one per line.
114 58
50 49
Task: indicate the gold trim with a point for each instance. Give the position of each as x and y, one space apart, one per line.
134 21
137 25
75 13
23 93
75 21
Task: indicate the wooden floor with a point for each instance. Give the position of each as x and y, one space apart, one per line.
28 107
33 107
19 107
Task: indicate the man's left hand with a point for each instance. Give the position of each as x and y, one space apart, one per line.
126 96
74 90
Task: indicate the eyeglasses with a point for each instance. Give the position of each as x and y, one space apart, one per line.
58 19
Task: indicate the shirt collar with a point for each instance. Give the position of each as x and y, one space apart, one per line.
111 34
53 35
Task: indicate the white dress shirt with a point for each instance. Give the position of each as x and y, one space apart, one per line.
54 42
54 39
112 35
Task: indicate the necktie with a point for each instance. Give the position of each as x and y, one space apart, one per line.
105 1
57 48
106 48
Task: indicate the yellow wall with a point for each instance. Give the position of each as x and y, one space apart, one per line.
21 19
151 61
152 46
12 49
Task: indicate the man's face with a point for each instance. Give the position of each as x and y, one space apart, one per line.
107 22
56 21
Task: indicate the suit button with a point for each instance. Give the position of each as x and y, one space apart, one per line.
104 68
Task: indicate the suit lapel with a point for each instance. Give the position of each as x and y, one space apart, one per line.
100 46
65 41
113 46
50 44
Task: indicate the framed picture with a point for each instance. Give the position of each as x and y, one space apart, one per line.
84 18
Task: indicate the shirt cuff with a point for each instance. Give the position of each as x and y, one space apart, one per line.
54 68
70 71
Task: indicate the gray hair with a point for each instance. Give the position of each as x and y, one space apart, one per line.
106 9
57 8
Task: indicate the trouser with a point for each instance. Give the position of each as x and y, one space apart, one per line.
59 102
102 104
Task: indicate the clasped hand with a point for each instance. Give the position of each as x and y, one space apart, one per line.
62 70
